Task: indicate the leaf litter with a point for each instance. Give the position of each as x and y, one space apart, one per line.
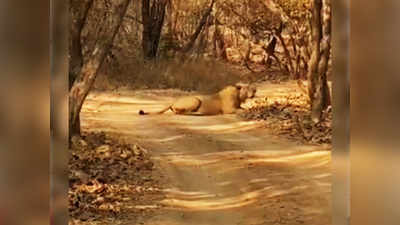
289 116
110 181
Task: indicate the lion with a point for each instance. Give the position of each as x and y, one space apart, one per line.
226 101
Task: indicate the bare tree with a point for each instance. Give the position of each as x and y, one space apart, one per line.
153 20
89 71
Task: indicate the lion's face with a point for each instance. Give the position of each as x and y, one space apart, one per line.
246 91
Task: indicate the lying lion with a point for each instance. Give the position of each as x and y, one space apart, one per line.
226 101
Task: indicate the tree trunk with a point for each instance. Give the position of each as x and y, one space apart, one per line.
86 78
290 66
270 50
219 45
199 28
317 88
77 21
325 49
153 20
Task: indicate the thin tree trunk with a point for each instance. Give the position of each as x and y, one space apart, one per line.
317 78
290 66
219 43
296 54
199 28
203 41
178 6
87 76
77 22
153 20
325 50
270 50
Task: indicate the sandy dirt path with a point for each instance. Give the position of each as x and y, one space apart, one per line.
220 169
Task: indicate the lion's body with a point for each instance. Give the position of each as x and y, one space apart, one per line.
226 101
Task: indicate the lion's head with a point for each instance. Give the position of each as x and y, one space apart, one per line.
246 91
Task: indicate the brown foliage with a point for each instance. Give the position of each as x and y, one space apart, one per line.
107 178
289 116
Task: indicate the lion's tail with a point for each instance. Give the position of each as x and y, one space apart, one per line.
141 112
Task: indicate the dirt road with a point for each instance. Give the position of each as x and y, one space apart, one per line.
220 170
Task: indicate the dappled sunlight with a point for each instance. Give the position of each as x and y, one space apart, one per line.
323 175
224 203
242 139
297 157
230 127
258 180
167 139
188 195
256 157
214 203
210 124
146 207
173 153
324 184
325 162
224 183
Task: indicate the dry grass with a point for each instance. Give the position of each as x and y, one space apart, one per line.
200 75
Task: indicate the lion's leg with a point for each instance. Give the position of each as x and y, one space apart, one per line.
196 114
179 110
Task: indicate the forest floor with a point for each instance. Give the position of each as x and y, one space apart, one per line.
211 170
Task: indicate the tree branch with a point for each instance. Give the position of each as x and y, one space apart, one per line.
199 28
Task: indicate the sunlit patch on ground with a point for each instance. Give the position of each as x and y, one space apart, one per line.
235 127
318 157
211 202
192 195
167 139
